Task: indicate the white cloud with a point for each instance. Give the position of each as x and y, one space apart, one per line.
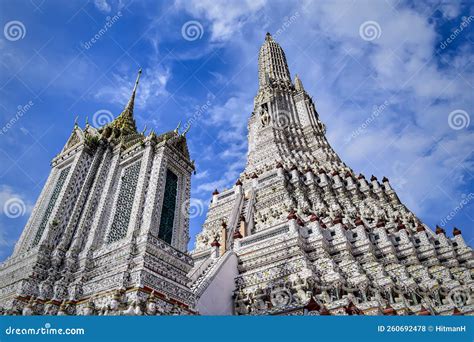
230 148
410 141
225 17
107 6
232 117
210 186
4 242
225 180
102 5
152 85
202 174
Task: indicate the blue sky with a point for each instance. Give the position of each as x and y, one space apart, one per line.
394 93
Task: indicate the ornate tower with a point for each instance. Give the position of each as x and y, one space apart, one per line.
301 233
284 125
108 233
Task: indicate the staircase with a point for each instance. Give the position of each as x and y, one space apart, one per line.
243 207
203 273
215 287
207 275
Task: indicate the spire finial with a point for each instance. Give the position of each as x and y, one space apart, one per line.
138 79
177 127
125 120
268 36
75 121
132 98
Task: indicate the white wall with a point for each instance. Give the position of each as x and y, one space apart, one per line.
217 298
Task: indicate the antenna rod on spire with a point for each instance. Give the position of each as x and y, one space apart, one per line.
177 127
138 79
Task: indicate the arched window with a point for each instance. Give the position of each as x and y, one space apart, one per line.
169 205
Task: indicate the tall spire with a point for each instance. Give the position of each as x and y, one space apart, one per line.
272 64
131 102
125 121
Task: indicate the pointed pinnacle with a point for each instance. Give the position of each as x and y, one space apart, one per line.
138 79
177 127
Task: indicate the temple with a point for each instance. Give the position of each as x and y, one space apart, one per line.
108 234
300 233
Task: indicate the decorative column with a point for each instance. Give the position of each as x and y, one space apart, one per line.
223 246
